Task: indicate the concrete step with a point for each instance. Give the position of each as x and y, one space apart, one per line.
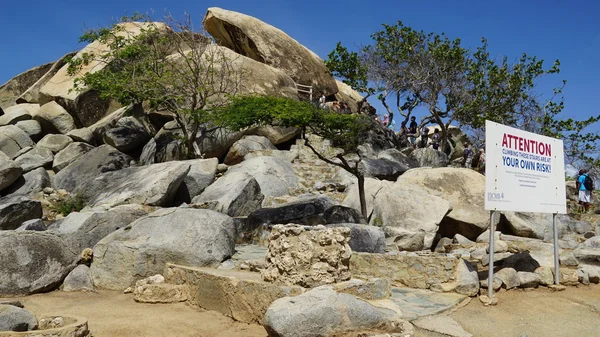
241 295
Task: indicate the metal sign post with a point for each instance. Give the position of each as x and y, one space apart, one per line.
491 255
556 261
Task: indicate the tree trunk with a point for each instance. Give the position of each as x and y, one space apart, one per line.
361 195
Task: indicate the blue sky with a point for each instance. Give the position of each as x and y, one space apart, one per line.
36 31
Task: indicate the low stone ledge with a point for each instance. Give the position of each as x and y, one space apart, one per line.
73 327
408 270
241 295
160 293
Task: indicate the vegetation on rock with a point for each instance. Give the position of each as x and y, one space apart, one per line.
345 131
458 85
167 65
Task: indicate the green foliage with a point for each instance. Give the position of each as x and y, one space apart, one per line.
347 131
69 204
167 65
347 65
459 85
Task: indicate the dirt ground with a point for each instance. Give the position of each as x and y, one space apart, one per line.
112 314
573 312
540 312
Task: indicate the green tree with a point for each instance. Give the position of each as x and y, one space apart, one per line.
345 131
165 64
454 84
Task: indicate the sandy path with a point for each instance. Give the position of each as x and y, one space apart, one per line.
573 312
112 313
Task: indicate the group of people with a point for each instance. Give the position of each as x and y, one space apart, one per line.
469 154
336 106
411 132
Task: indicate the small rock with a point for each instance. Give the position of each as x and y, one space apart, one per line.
499 247
568 259
546 275
48 190
222 168
557 287
588 235
529 280
55 143
227 265
32 225
86 255
13 318
78 280
487 301
462 240
497 257
440 247
496 285
583 277
485 236
509 277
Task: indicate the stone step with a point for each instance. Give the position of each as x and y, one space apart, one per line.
241 295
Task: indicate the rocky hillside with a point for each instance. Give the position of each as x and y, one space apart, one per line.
95 195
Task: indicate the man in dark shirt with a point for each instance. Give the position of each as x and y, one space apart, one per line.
412 130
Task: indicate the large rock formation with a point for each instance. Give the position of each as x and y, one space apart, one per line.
36 262
348 95
9 171
154 185
262 42
274 175
86 106
15 209
32 94
87 167
13 140
409 216
236 194
11 90
324 312
192 237
463 189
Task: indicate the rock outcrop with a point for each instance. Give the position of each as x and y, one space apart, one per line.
191 237
236 194
86 105
154 185
9 171
102 159
264 43
463 189
36 262
11 90
15 209
324 312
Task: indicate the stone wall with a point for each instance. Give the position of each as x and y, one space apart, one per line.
410 270
240 295
307 256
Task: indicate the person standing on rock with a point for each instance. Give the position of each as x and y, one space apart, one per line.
585 186
481 164
468 156
435 139
424 136
412 131
322 101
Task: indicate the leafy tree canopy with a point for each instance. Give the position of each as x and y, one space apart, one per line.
459 85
